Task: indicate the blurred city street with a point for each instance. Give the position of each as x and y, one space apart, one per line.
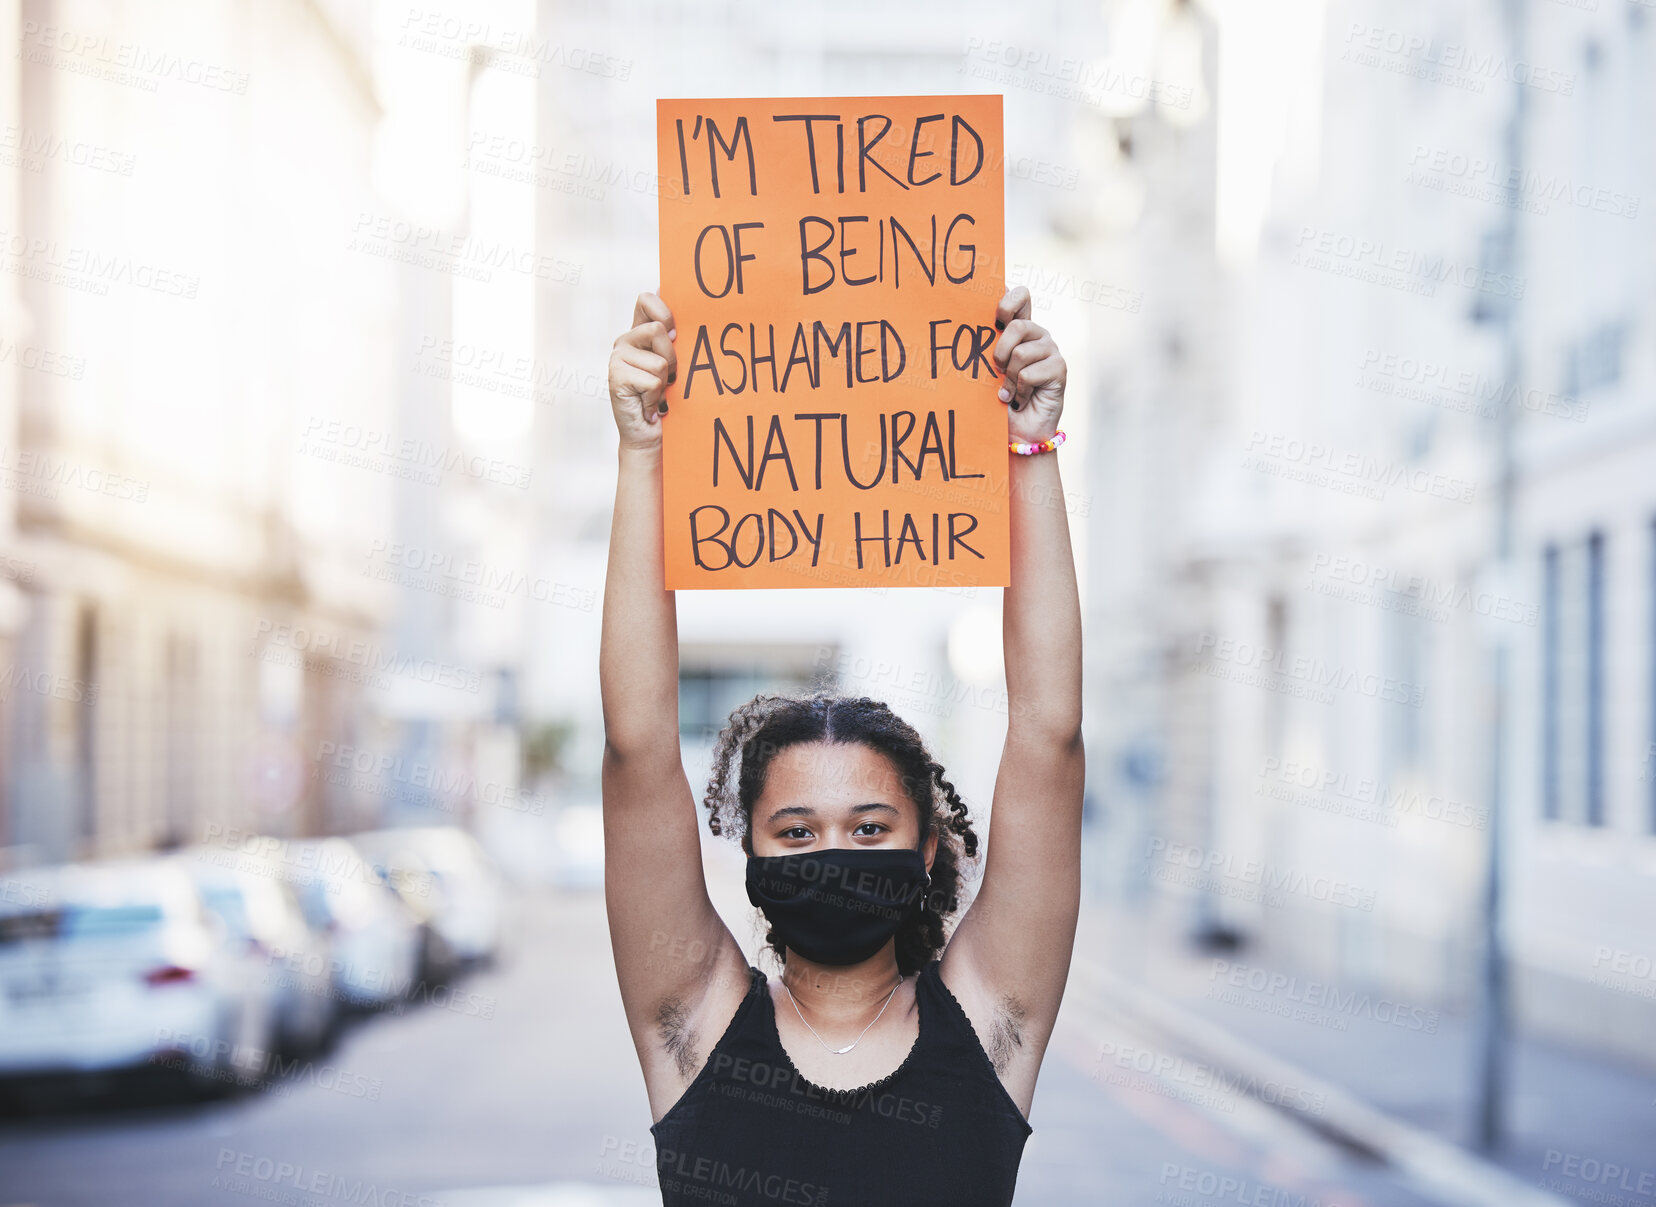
522 1076
308 475
539 1088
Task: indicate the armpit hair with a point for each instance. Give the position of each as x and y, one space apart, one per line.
1006 1031
673 1021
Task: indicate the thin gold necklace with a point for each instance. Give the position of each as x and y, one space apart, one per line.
858 1040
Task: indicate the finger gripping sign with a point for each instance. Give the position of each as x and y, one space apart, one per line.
833 265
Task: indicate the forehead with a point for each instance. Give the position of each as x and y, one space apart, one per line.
827 773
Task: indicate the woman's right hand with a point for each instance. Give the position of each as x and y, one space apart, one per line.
641 368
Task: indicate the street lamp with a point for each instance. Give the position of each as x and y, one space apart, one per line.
1492 1021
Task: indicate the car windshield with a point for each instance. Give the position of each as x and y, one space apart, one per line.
95 921
37 924
228 904
316 899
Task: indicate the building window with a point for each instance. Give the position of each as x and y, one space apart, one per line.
1650 747
1408 655
1549 683
1595 361
714 681
1595 679
1572 686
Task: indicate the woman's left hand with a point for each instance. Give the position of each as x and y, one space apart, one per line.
1035 372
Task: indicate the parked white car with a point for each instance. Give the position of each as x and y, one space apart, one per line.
468 898
375 956
248 890
404 869
117 965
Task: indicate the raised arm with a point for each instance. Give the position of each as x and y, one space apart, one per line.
671 947
1013 946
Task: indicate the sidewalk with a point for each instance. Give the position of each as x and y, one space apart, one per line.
1390 1077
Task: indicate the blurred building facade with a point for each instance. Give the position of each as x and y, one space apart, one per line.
1312 600
219 439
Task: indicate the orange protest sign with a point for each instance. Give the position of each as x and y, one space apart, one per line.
833 266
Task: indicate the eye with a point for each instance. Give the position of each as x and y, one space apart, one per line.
796 832
877 828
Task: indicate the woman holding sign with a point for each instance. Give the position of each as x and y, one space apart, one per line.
894 1059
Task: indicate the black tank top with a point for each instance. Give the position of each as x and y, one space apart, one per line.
750 1131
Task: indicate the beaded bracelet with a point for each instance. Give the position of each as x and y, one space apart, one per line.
1045 446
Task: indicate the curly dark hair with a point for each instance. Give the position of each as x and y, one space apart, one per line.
768 724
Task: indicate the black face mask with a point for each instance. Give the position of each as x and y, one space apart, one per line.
838 906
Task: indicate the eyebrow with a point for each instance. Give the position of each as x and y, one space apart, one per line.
810 811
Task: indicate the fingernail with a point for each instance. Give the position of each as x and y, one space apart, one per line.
673 334
672 376
1017 406
1005 394
999 326
663 408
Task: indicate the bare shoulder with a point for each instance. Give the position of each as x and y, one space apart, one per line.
675 1035
1012 1027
